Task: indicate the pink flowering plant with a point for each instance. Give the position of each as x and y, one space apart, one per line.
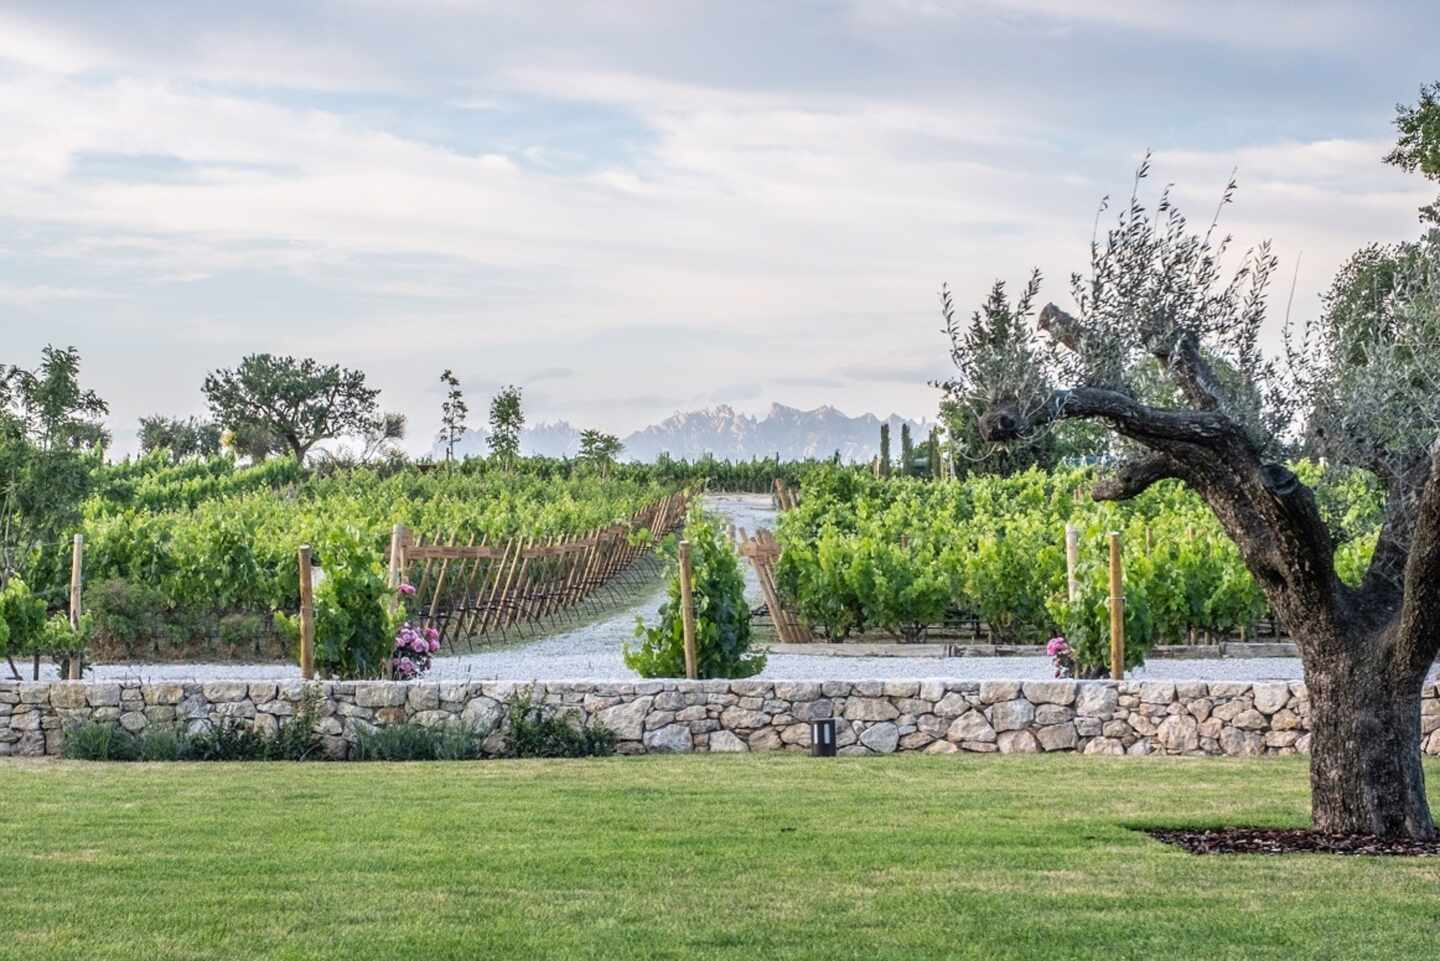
413 647
1062 656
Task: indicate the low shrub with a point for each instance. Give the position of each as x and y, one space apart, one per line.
536 732
100 741
416 742
232 741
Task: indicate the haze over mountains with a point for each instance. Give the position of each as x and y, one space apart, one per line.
727 434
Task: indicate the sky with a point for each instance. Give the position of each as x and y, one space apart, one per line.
635 207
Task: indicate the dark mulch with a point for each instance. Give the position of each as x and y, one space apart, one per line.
1290 841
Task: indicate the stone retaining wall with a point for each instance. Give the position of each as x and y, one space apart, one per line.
937 716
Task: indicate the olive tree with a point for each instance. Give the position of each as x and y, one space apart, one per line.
296 402
1156 298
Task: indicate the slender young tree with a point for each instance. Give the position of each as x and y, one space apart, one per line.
884 450
600 449
507 419
907 451
453 412
1155 299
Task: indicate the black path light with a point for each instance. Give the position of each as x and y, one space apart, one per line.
822 737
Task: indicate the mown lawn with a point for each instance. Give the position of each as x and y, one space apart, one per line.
689 857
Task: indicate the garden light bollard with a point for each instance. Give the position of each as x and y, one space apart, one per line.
822 737
687 611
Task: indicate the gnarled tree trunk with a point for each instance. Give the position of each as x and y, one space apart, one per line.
1365 745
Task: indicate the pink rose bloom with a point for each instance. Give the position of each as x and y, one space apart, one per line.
407 666
431 634
1057 645
434 645
407 589
419 646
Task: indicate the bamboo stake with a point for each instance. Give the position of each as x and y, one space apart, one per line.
77 563
1072 561
307 615
1117 610
687 609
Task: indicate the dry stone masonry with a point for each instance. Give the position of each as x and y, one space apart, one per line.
937 716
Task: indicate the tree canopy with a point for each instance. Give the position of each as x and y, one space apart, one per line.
507 419
297 402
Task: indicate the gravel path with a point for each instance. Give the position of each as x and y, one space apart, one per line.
592 651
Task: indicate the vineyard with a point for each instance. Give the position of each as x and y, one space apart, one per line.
194 559
987 555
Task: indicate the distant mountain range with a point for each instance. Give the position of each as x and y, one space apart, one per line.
725 433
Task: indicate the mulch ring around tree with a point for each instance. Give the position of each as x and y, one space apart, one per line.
1289 841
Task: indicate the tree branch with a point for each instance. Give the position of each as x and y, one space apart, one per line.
1135 477
1209 429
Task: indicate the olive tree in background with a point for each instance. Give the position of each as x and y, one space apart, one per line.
296 402
1363 387
190 437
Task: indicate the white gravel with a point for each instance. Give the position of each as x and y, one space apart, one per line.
592 651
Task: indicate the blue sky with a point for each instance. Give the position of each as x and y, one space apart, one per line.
637 207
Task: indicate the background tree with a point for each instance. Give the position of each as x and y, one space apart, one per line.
191 437
51 438
1155 299
453 412
382 437
600 449
884 450
1001 338
507 419
299 402
1418 147
932 454
907 451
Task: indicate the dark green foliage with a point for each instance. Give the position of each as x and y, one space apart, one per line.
722 616
22 618
181 439
535 731
884 450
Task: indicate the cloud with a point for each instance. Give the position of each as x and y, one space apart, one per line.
641 225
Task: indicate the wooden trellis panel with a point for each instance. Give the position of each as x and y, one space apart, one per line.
764 551
471 590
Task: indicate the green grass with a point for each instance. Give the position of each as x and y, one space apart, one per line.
694 857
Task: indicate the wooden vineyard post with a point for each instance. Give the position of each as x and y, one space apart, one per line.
1072 561
307 615
77 564
1117 610
398 536
687 611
